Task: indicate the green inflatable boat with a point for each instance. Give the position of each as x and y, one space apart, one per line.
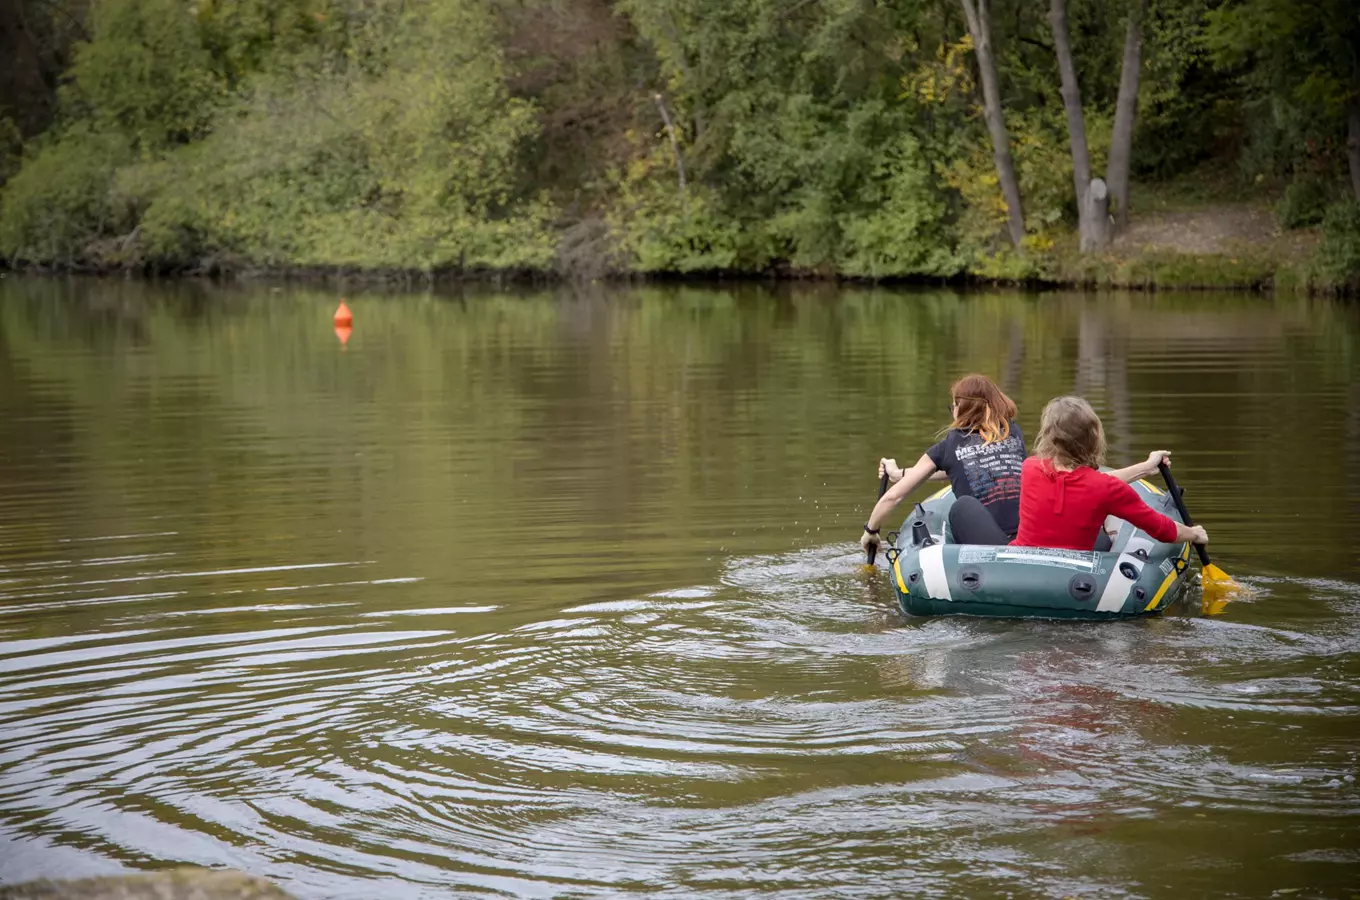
934 576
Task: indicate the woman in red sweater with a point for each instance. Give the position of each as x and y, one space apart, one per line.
1064 498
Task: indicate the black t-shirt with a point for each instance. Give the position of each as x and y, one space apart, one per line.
989 472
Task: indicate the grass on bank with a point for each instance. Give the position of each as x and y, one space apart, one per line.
1210 230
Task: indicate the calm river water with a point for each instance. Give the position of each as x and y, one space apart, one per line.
558 594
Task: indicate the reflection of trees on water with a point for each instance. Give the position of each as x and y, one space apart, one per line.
1352 522
1015 359
1102 377
37 431
693 405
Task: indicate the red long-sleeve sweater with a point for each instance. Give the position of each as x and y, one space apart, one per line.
1066 509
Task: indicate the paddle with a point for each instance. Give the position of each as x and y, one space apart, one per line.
882 489
1213 579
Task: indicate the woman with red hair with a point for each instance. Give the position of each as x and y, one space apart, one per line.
981 452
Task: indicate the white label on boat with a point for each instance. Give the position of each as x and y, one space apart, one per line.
1083 560
932 567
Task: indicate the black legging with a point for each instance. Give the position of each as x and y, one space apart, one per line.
970 523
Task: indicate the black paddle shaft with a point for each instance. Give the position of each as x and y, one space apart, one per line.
1180 507
882 489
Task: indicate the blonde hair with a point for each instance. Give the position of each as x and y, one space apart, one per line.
982 407
1070 434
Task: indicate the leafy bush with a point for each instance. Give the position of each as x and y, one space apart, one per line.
800 167
1304 203
62 199
1339 255
11 147
658 229
410 163
1043 163
901 230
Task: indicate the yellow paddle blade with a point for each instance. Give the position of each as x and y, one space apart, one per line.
1212 575
1218 589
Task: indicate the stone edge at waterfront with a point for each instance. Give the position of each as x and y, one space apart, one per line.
186 883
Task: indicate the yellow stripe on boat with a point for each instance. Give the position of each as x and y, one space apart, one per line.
1150 486
1161 591
898 573
1166 582
940 493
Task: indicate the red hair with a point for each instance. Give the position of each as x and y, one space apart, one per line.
982 407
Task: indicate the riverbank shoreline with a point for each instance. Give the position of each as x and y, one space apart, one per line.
1163 273
1228 247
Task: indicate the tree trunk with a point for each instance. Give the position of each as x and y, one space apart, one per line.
691 82
675 143
1094 234
1353 143
1125 109
1093 217
980 27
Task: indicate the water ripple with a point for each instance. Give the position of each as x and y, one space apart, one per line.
558 598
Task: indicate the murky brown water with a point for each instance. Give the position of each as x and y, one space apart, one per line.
559 595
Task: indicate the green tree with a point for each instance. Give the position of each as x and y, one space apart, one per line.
1302 59
926 137
145 74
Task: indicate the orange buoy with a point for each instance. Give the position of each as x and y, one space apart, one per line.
343 317
343 332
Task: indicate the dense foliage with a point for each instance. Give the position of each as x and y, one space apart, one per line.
588 136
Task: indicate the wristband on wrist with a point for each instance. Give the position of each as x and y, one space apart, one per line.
870 530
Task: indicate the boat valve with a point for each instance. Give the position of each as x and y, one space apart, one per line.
920 534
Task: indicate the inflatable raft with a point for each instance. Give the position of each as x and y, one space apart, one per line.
934 576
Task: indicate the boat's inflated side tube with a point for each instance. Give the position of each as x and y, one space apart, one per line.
1138 576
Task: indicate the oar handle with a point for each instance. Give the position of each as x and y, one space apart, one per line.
882 489
1180 507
